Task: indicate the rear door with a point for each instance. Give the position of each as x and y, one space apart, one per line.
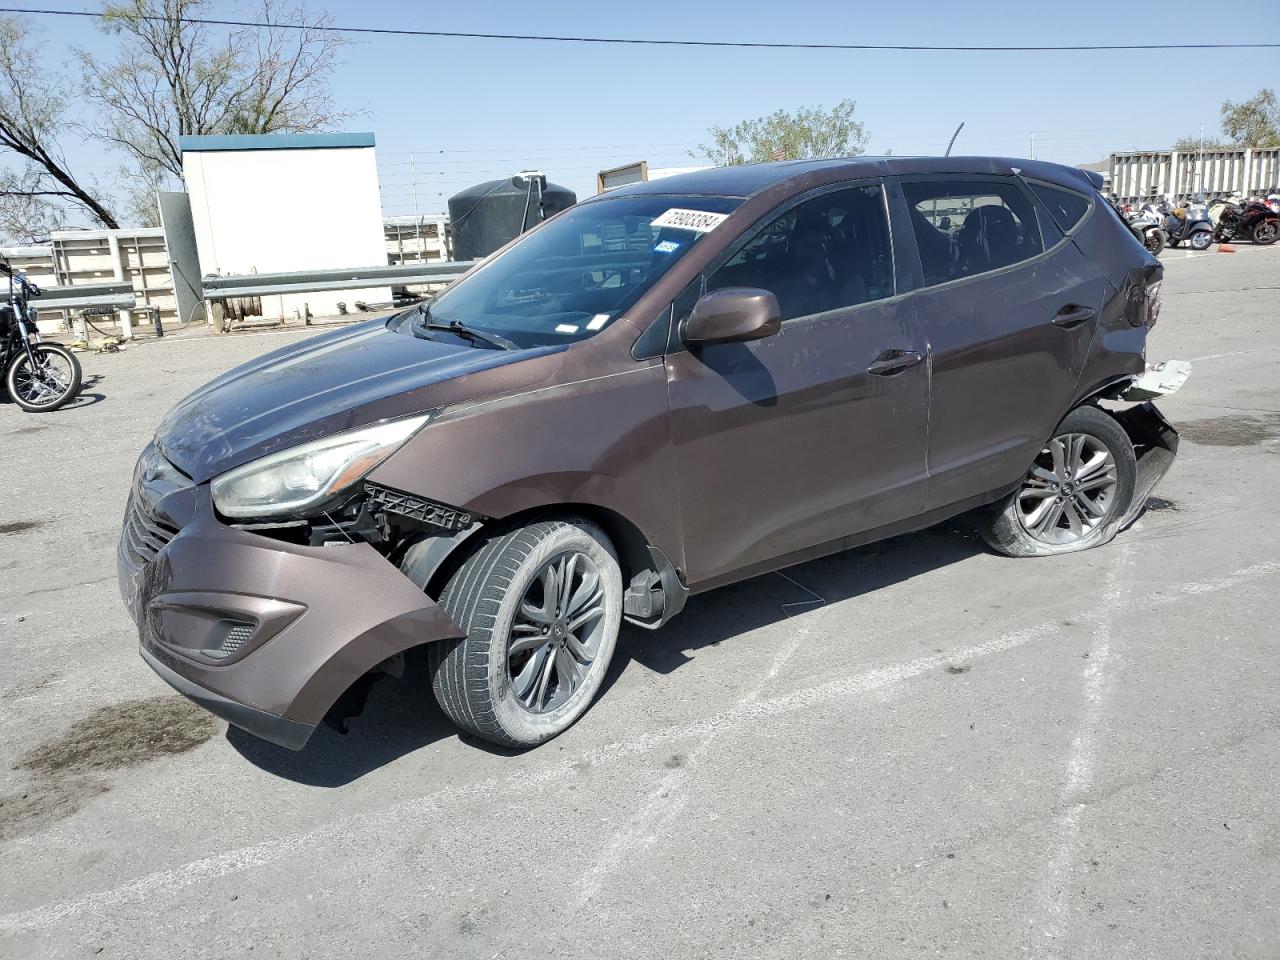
789 442
1007 311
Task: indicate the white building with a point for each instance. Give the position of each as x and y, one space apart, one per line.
274 203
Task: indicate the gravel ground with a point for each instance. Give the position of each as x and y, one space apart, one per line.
913 749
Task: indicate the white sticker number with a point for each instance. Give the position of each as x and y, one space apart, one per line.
699 221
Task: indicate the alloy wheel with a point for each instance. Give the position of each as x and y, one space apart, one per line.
1069 491
44 384
556 634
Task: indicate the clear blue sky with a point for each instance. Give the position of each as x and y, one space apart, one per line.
465 111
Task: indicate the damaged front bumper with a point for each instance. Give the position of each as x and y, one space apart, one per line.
263 633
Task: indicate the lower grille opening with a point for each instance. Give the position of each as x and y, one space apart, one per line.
227 637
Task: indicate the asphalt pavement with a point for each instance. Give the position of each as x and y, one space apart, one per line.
913 749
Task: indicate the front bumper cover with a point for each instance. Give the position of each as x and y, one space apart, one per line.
265 634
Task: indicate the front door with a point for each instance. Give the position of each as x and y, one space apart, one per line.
790 442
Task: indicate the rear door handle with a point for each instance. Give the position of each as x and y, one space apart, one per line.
892 362
1072 315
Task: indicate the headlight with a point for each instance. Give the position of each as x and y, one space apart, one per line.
301 477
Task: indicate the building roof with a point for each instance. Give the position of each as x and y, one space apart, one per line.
274 141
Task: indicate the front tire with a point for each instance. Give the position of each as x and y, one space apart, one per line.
541 606
48 387
1201 240
1264 233
1074 495
1154 242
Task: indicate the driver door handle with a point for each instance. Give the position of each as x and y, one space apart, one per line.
892 362
1072 315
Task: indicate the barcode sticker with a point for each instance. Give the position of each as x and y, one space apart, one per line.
699 221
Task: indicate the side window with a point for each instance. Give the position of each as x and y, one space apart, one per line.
829 252
965 227
1067 208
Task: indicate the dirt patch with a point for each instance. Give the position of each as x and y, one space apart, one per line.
121 735
953 669
45 802
124 735
17 526
1160 503
1230 431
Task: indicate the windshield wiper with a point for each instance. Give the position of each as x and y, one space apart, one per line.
461 329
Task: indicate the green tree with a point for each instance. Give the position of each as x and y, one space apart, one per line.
806 133
38 187
1255 122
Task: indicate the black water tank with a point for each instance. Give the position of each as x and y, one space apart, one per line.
486 216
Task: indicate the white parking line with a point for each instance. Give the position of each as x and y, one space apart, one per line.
1080 762
351 835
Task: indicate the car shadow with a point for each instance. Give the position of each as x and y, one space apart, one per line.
401 716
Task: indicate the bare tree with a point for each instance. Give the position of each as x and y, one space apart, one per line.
178 78
35 195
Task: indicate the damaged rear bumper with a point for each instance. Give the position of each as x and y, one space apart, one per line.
265 634
1155 444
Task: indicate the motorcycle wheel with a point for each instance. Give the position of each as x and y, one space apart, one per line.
55 381
1154 242
1201 241
1265 233
1173 242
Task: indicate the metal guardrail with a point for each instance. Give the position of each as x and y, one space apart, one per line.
306 281
115 296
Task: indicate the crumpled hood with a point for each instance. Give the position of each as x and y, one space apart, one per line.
323 385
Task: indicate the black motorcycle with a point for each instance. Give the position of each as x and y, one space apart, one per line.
39 376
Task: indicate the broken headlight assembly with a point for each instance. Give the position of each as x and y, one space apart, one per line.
301 479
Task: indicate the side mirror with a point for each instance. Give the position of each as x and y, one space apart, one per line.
731 315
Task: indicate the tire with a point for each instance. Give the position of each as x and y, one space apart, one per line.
1264 233
499 597
1015 529
1201 240
1174 243
1154 242
43 394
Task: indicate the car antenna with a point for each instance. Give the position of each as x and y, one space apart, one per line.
953 139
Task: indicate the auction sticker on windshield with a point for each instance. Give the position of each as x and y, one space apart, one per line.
700 221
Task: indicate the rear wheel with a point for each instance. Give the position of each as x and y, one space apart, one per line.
49 384
541 606
1265 232
1074 494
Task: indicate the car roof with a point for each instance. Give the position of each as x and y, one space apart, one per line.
746 180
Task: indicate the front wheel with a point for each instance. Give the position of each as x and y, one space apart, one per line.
1265 232
1074 495
1201 240
1154 241
53 381
540 606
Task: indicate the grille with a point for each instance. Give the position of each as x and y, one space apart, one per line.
144 533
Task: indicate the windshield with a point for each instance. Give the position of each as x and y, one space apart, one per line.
572 278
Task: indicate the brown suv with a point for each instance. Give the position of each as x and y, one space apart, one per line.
667 388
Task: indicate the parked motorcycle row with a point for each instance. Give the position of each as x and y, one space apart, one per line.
1171 222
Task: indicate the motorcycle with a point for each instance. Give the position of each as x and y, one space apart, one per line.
1187 222
1145 228
1239 218
1145 225
39 376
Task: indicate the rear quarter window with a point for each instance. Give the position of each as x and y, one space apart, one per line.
1067 207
